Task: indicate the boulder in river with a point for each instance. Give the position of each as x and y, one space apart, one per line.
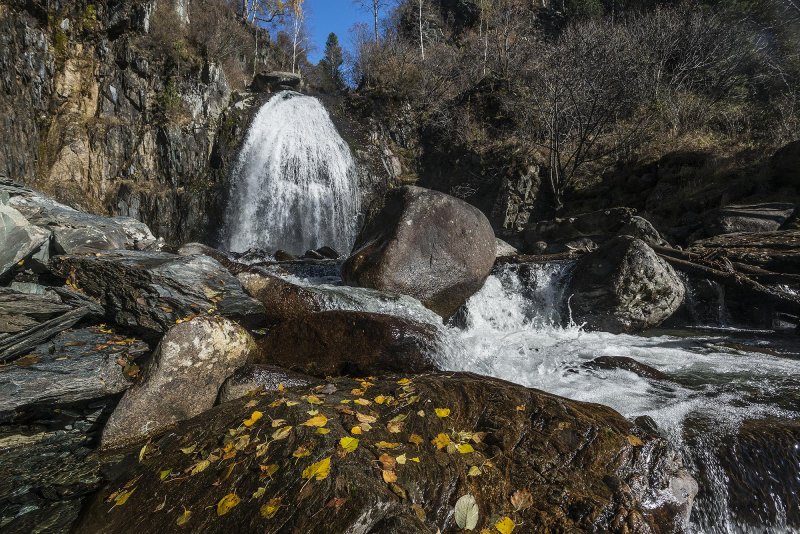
332 343
429 245
748 218
182 379
530 460
624 286
282 299
149 291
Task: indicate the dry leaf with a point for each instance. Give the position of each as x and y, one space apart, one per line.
317 420
416 439
183 518
466 512
506 525
387 445
401 459
441 441
257 494
319 470
301 452
380 399
227 503
322 431
268 470
442 412
362 402
474 471
389 476
269 510
364 418
348 444
356 430
255 416
282 433
278 423
395 428
635 441
387 461
465 448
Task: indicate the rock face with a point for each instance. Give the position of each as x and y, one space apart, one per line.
748 218
19 238
182 380
335 343
150 291
583 469
425 244
76 365
597 226
624 287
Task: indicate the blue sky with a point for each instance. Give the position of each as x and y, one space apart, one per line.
326 16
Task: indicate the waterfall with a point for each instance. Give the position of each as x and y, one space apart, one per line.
295 184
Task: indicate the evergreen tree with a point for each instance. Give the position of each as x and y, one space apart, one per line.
332 61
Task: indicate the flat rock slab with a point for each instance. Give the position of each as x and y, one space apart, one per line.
262 464
76 365
149 291
18 238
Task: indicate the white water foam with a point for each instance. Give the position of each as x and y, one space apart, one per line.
295 184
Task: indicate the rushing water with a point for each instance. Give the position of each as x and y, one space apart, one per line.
295 184
717 381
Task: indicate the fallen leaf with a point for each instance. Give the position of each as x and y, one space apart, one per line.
442 412
348 443
268 470
318 470
143 451
506 525
189 450
416 439
291 403
415 459
401 459
276 423
395 428
199 467
313 399
227 503
380 399
362 402
257 494
387 461
366 427
356 430
301 452
520 408
282 433
465 448
387 445
474 471
253 418
183 518
522 499
251 404
389 476
357 392
419 511
317 420
164 474
123 497
322 431
364 418
441 441
635 441
466 512
312 412
269 510
404 381
421 413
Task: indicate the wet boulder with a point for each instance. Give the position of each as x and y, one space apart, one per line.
339 342
256 379
624 287
149 291
282 299
426 244
199 249
182 379
532 460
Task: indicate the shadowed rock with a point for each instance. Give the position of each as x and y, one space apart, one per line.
624 287
282 300
149 291
431 246
255 379
182 379
584 466
626 364
346 342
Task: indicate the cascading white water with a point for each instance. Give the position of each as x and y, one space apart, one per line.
295 184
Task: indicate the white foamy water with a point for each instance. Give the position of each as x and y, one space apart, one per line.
513 331
295 184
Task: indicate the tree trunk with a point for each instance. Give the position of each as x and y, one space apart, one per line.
421 40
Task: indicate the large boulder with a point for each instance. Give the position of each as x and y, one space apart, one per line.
545 463
149 291
182 379
785 165
624 287
748 218
282 299
431 246
334 343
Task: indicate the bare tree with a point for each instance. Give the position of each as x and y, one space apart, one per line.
374 7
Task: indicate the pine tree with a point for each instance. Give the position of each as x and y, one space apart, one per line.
333 59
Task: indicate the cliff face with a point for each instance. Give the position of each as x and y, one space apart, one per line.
91 116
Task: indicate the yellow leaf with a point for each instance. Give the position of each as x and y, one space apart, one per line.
189 450
441 441
142 452
349 444
282 433
251 404
395 428
281 387
257 494
389 476
404 381
268 470
253 418
291 403
278 423
415 459
635 441
366 427
301 452
416 439
362 402
345 401
313 399
505 526
227 503
465 448
317 420
322 431
164 474
269 510
199 467
443 412
123 497
380 399
364 418
421 413
312 412
319 470
521 408
474 471
357 392
183 518
356 430
387 445
401 459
